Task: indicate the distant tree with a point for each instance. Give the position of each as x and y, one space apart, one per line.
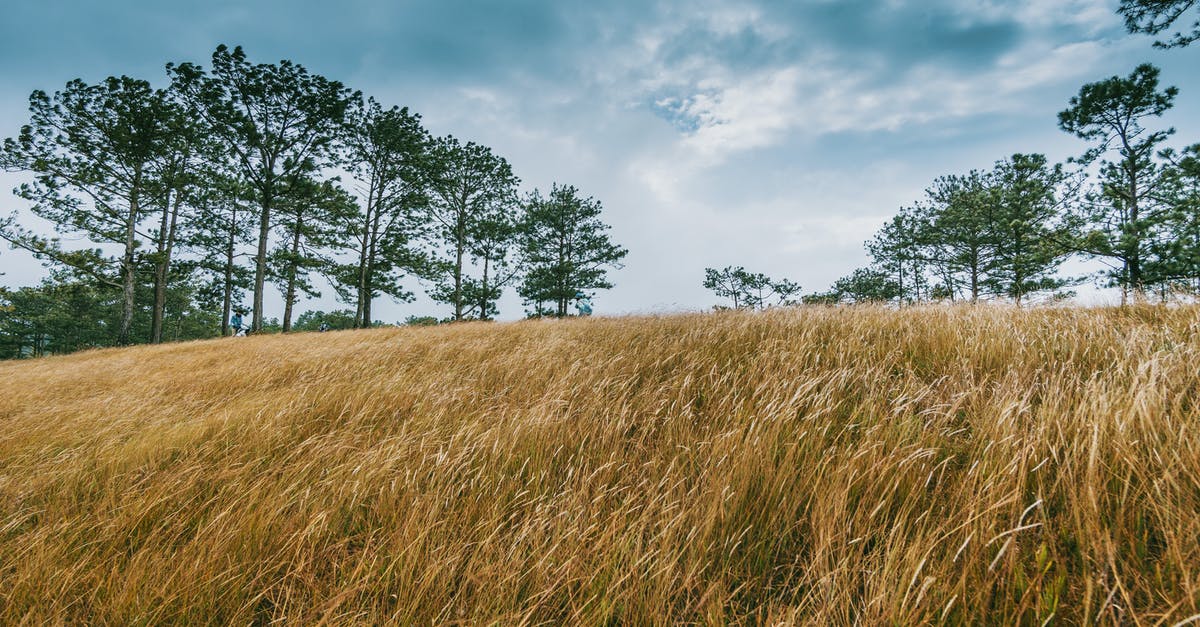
750 290
222 225
1180 192
311 217
820 298
897 250
866 285
1155 16
958 231
69 311
92 151
492 240
54 317
384 150
730 283
1030 239
185 314
565 248
1121 216
338 320
277 122
470 187
174 185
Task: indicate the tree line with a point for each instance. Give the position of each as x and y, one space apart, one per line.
240 175
1130 202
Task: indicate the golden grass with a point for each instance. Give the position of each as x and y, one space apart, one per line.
815 466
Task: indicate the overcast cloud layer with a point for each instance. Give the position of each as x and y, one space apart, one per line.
775 135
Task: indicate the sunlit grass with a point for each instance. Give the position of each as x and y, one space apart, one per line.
823 466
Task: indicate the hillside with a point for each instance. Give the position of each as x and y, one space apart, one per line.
824 466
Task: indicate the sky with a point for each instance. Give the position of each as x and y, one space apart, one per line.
775 135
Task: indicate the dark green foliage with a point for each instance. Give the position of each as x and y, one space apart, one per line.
1124 215
749 290
864 285
51 318
472 198
219 228
67 313
386 152
1156 16
92 150
338 320
1180 192
957 232
276 121
565 249
1031 238
997 233
897 251
311 220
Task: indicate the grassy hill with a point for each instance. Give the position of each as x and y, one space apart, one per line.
810 466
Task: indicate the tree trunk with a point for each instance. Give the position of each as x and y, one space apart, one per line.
162 270
1135 248
460 244
127 269
290 298
369 282
483 298
367 244
227 296
260 259
562 288
160 289
361 288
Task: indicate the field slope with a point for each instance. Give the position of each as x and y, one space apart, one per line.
819 466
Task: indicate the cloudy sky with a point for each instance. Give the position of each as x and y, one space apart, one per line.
777 135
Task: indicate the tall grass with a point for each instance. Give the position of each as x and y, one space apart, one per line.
813 466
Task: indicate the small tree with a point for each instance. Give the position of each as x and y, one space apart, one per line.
730 283
959 232
311 218
1180 192
747 290
896 249
565 248
216 236
866 285
385 151
1031 240
337 320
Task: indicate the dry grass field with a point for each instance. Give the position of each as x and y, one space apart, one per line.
809 466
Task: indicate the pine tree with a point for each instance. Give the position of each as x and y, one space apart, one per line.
92 150
469 188
385 151
1123 215
565 248
276 121
1155 16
